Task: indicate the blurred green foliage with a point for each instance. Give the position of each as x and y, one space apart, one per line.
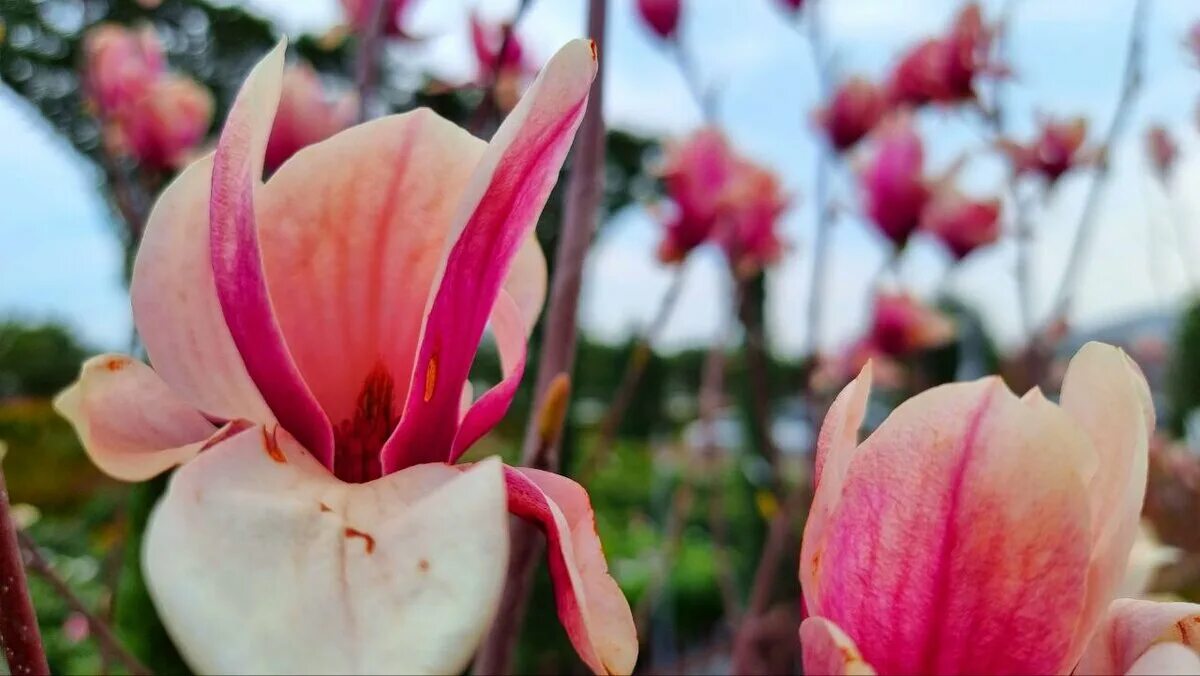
1183 376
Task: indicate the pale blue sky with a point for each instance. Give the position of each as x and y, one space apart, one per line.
59 259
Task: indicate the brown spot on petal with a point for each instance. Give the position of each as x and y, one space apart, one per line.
423 565
431 377
271 444
325 507
592 46
115 364
366 537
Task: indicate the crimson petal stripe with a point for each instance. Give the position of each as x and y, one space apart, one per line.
237 261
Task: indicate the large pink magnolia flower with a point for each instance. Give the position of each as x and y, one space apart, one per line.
311 339
977 532
893 181
306 114
696 173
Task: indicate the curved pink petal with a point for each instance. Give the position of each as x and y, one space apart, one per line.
827 650
526 281
176 310
961 538
1166 659
499 210
591 606
238 265
353 231
130 422
260 561
1108 398
509 329
836 445
1131 627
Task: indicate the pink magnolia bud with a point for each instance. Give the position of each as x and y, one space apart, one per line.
662 16
961 223
1055 151
855 109
1162 149
306 115
695 172
902 325
360 14
944 69
894 186
750 210
120 65
163 127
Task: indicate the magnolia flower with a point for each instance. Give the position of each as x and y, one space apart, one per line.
961 223
360 14
165 125
120 64
695 172
901 325
311 339
894 183
1055 151
944 69
505 70
792 5
978 532
306 115
855 109
1162 150
750 207
661 16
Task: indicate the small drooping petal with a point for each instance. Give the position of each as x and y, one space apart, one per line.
591 606
237 261
306 115
130 422
497 213
509 329
176 310
259 560
963 521
660 16
827 650
1132 627
1166 659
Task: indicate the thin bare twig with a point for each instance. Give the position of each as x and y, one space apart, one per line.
369 51
826 215
19 634
581 213
1131 85
104 634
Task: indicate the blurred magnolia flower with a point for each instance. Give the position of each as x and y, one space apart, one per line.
1147 556
893 181
360 14
501 63
856 107
120 65
163 127
944 69
792 5
76 628
1162 150
311 339
1054 152
901 325
961 223
696 172
660 16
306 114
990 530
750 207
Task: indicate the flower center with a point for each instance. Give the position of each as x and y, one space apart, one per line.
358 440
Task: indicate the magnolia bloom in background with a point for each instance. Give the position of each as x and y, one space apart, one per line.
944 69
792 5
695 172
506 72
990 531
750 207
893 181
306 114
120 65
1056 150
156 116
311 339
660 16
360 14
961 223
1162 150
855 109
